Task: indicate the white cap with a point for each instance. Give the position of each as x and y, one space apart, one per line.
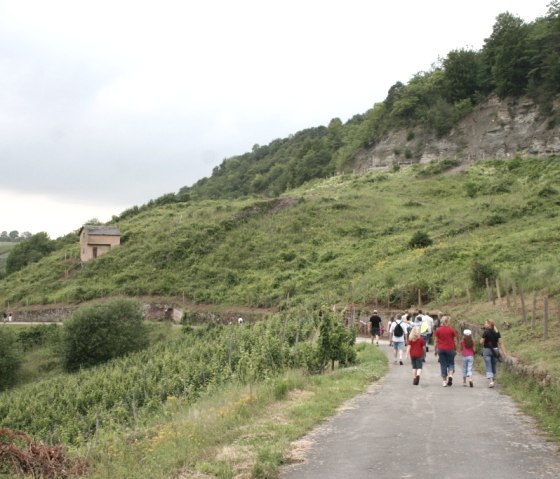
467 332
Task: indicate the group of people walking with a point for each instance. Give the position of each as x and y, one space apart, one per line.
410 337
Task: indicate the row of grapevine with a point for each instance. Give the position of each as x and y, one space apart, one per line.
70 408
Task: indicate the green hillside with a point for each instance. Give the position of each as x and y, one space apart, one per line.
5 248
346 238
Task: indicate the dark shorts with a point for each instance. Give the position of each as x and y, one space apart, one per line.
375 332
416 363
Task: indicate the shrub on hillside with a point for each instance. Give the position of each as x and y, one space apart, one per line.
480 272
9 359
420 239
95 334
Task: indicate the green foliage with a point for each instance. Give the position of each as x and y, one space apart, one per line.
336 342
340 234
95 334
420 239
437 167
480 273
123 391
10 359
29 251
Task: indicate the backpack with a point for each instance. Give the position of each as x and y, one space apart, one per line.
424 327
398 331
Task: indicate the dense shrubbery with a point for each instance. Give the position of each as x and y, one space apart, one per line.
10 358
420 239
70 408
29 251
481 272
95 334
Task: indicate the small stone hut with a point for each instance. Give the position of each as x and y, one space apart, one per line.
97 240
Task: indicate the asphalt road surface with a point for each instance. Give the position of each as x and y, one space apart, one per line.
397 430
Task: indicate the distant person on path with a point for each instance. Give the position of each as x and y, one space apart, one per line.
467 352
389 324
491 345
10 317
445 341
398 333
375 321
240 321
426 328
415 349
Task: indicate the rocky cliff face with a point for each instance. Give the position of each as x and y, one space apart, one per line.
496 129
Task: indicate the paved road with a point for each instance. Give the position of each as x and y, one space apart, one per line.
397 430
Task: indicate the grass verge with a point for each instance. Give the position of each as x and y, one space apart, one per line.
238 431
535 399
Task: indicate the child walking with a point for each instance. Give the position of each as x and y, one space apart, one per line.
467 351
416 350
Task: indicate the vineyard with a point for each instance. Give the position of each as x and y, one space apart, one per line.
69 409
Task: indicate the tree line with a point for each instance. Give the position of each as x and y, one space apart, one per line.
14 236
518 58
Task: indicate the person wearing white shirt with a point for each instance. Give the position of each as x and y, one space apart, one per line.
398 333
426 328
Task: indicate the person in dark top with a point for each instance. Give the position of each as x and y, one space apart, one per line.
375 321
491 346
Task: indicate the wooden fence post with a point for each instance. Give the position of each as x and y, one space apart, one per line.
419 298
523 309
488 290
498 290
468 294
545 318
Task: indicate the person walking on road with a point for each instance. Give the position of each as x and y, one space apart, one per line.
491 345
389 324
467 352
416 350
426 328
397 334
375 321
445 345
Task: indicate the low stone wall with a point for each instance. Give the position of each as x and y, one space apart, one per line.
51 315
152 312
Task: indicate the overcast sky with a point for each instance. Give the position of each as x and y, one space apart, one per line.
107 104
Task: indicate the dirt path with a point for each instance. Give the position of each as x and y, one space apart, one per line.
397 430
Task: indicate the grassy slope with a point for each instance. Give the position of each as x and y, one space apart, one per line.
5 248
346 239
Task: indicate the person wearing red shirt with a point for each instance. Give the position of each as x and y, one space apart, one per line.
445 342
416 350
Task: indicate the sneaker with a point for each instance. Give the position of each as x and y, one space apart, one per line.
450 381
417 380
471 383
400 362
427 349
414 383
464 385
491 385
444 384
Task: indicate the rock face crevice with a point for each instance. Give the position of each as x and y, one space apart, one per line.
495 129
